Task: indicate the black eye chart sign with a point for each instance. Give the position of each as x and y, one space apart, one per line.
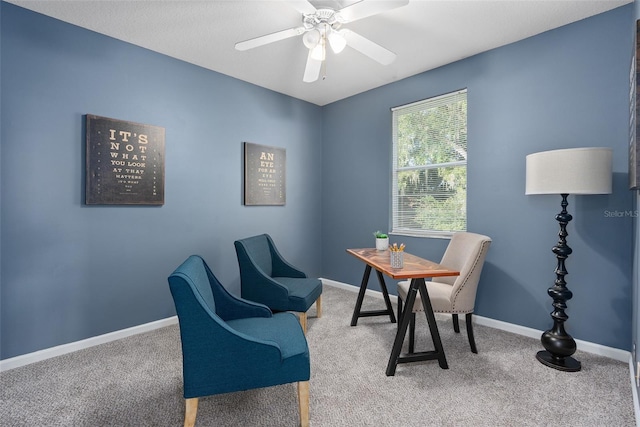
264 175
124 162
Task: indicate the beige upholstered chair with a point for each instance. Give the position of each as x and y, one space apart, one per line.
457 294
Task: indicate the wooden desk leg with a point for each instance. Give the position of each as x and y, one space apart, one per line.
402 328
385 294
433 326
363 288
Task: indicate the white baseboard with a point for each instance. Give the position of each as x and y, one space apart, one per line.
634 390
589 347
25 359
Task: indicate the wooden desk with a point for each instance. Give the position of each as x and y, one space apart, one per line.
415 269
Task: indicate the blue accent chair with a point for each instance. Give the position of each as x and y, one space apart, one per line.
266 277
230 344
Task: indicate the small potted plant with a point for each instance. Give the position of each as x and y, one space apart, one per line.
382 241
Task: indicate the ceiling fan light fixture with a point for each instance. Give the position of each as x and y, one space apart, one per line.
318 52
337 41
311 38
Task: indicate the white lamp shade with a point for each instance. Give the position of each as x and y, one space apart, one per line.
570 171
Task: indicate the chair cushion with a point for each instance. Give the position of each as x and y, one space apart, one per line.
283 328
302 292
439 294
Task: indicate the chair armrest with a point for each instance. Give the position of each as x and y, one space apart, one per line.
238 308
255 278
259 287
230 307
280 266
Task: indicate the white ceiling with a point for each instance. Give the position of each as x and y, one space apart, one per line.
425 34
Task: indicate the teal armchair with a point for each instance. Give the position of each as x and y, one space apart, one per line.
266 277
230 344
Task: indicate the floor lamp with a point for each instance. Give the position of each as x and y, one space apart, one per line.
569 171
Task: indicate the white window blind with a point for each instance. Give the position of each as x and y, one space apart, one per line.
429 188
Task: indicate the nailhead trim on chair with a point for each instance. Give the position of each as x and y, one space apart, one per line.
467 277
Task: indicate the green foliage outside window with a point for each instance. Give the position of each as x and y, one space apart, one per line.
430 169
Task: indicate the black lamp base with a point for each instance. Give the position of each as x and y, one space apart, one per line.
566 364
558 343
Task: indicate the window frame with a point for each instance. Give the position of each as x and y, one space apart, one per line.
431 102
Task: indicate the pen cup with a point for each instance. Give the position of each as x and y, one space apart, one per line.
397 260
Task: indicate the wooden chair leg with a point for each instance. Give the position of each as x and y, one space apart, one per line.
319 307
303 403
472 341
303 322
399 311
456 325
191 410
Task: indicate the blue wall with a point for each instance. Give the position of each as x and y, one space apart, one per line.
71 271
565 88
636 247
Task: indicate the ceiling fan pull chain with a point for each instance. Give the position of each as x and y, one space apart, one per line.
324 69
324 51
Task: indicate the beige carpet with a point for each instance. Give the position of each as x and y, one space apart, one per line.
137 381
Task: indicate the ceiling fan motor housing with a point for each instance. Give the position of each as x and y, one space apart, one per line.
321 19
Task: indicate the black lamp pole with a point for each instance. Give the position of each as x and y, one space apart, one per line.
558 343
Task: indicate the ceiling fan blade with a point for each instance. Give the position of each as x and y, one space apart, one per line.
303 6
364 9
312 69
269 38
369 48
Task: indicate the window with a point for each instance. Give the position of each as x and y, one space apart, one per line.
429 188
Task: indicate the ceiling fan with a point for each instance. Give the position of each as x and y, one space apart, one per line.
322 26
